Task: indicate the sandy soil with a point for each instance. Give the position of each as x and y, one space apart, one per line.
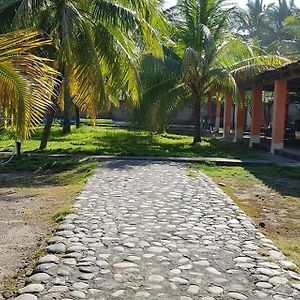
25 222
276 209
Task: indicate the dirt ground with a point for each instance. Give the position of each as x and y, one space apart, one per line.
25 222
273 203
272 210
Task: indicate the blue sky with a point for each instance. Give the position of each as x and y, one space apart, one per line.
241 3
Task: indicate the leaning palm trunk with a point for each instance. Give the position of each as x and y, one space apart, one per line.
67 105
51 113
47 128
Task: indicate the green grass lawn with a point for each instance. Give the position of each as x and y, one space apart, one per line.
116 141
270 195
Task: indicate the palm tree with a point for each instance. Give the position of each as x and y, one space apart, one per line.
279 12
97 43
292 28
254 22
210 64
162 91
198 31
26 80
265 23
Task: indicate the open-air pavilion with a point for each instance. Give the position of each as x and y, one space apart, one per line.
284 85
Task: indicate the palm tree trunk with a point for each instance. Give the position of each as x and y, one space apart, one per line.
47 128
197 123
77 116
18 148
50 114
67 103
5 117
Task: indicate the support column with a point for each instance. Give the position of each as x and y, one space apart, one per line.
218 114
279 114
240 118
256 115
227 116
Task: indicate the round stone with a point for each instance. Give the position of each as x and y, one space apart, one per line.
237 296
88 269
175 271
264 285
215 290
56 248
80 285
156 278
118 293
185 267
278 280
48 259
179 280
58 289
124 265
142 295
102 263
154 249
32 288
261 294
26 297
78 294
287 264
193 289
268 272
38 278
213 271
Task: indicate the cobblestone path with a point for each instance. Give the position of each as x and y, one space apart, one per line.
146 230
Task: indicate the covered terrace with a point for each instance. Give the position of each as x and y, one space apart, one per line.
279 87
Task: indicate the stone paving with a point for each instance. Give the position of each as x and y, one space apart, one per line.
146 230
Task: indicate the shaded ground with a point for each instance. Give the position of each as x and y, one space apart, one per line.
31 202
270 196
126 142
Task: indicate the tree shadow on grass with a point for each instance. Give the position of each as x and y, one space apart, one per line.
284 180
140 143
41 171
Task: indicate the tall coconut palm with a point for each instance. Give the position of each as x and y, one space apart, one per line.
210 63
199 28
26 80
97 43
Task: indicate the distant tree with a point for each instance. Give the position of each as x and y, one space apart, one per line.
265 23
292 45
253 22
277 15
